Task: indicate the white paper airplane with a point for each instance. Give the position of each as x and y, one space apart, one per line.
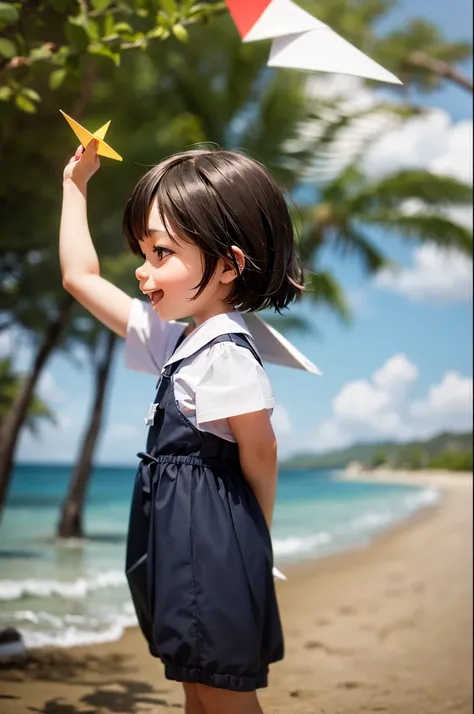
301 41
274 347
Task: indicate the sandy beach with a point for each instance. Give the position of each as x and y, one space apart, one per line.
387 628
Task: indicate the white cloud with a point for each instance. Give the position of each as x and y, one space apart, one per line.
381 407
437 274
395 378
448 405
353 98
281 420
462 215
430 141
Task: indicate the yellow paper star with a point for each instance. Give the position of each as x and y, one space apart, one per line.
85 137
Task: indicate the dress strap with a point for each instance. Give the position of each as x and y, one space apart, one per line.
180 339
242 340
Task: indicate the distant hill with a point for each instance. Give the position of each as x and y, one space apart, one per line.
388 451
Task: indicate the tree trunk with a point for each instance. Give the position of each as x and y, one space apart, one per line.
71 520
14 420
440 68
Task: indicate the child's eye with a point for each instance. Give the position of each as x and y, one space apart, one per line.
161 252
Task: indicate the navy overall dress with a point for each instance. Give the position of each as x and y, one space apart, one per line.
199 554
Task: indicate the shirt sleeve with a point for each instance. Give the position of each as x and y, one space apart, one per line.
234 383
150 342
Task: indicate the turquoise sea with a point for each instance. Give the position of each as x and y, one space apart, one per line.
77 594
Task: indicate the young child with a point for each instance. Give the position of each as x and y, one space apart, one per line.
216 240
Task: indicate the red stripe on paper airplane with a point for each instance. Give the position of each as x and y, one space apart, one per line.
245 13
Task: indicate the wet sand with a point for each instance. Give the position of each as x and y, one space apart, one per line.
384 629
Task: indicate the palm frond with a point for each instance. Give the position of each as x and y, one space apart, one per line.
338 138
351 241
289 323
324 289
434 228
430 188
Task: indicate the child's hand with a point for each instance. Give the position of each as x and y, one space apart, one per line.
83 165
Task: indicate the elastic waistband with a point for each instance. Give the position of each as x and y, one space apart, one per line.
210 461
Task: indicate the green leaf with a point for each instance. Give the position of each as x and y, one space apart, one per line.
25 104
31 94
156 32
121 27
80 20
108 24
8 13
76 36
92 30
104 51
100 5
43 52
7 48
57 78
5 94
180 32
169 6
163 20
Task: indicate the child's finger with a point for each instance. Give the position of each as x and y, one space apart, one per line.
92 147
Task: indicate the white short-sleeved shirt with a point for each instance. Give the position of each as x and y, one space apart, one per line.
213 383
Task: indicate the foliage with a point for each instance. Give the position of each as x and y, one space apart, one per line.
411 457
10 384
379 458
364 453
452 461
49 42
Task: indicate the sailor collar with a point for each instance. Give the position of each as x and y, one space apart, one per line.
271 345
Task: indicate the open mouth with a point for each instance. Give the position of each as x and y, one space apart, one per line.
156 296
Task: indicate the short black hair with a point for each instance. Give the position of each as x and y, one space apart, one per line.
218 199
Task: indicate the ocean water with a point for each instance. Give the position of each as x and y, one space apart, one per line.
77 593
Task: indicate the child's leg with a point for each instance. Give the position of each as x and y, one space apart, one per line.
218 701
193 703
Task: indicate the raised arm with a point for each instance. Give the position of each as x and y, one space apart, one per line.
79 262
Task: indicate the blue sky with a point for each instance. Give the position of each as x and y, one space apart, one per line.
404 367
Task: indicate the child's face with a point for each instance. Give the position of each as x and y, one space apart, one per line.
171 272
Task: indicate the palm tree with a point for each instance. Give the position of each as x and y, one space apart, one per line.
102 349
351 204
23 400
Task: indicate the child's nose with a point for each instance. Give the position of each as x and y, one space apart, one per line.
141 272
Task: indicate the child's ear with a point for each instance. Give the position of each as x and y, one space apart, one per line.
229 272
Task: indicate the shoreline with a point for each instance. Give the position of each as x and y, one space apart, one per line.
363 630
438 478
